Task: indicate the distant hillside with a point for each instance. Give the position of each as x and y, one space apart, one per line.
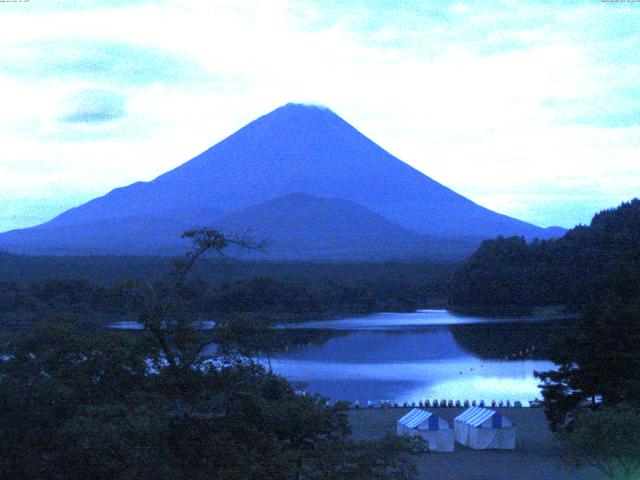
300 226
294 149
588 265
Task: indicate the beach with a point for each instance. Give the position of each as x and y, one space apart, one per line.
536 457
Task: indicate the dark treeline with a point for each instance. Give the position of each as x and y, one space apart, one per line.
97 288
589 265
113 269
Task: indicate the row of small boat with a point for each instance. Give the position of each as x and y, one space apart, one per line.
446 403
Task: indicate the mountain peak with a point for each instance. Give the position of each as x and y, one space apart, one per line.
303 107
299 114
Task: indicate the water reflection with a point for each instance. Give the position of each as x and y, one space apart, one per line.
398 321
426 355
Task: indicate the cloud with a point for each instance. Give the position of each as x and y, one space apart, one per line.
94 106
34 6
26 212
495 99
90 116
100 61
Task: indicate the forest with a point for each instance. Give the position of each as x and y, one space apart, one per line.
589 265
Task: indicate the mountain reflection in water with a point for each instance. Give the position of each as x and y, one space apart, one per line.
429 354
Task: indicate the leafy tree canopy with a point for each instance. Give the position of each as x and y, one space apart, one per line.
79 403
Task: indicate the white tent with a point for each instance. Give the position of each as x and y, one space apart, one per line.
481 428
436 431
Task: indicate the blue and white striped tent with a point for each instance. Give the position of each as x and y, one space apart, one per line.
481 428
435 430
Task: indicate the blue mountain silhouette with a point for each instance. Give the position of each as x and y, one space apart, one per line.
296 149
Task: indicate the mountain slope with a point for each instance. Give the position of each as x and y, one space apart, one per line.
123 236
295 148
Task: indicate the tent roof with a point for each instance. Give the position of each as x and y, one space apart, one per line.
476 416
417 417
472 412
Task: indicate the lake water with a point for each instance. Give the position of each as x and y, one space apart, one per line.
429 354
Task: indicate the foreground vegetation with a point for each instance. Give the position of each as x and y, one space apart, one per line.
77 402
79 405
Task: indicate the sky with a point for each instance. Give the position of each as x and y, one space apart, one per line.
528 108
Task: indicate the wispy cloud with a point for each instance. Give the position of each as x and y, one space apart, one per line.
98 61
94 106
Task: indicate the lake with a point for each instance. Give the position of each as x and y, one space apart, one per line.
428 354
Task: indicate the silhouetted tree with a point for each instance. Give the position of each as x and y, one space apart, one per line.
598 359
80 403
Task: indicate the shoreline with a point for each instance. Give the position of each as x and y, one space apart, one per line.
536 457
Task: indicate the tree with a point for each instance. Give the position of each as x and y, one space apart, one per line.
166 308
78 403
495 279
47 376
608 439
598 360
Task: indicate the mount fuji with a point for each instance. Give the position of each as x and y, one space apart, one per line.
301 175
